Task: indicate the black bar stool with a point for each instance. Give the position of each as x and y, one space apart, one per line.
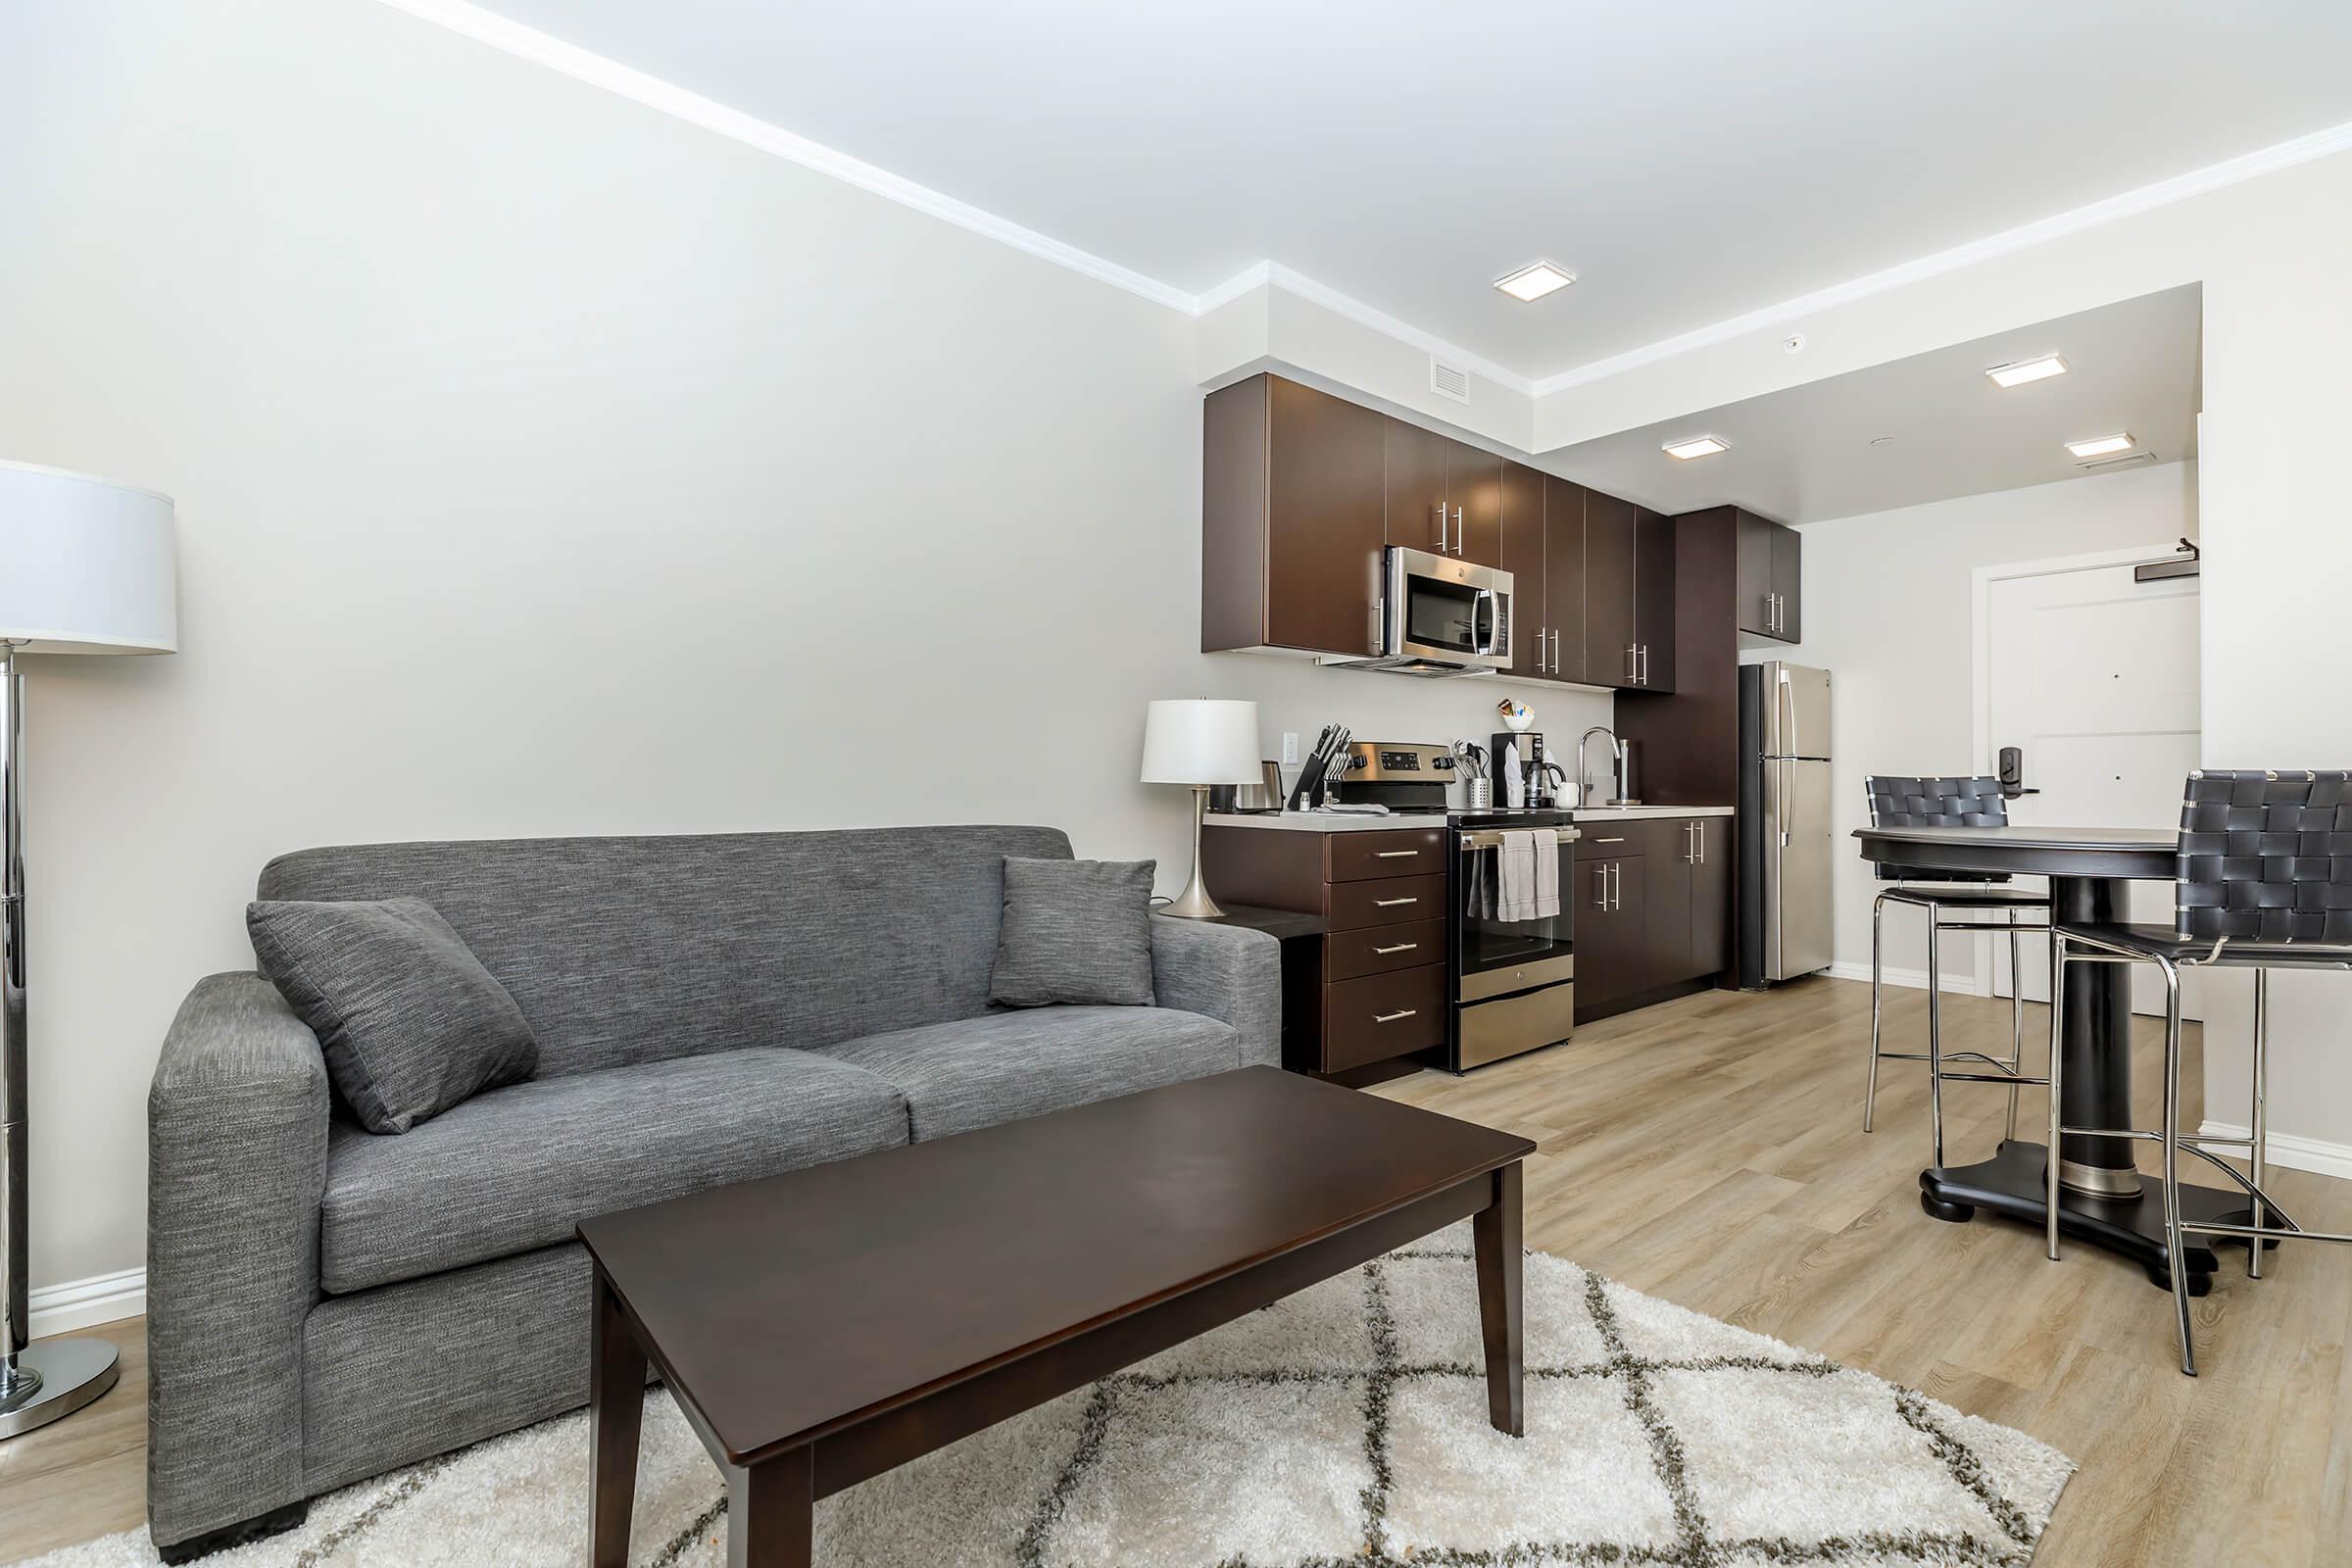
1947 802
2265 883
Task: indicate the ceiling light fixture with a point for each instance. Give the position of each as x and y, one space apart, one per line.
1698 446
2100 446
2024 370
1531 284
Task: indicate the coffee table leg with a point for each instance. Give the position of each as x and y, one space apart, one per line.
769 1511
1495 1229
616 1412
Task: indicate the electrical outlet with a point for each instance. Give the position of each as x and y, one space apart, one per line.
1289 748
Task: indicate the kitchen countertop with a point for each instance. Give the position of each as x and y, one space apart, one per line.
1350 822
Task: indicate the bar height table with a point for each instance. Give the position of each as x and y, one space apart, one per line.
2101 1196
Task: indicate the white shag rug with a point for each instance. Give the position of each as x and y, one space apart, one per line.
1345 1426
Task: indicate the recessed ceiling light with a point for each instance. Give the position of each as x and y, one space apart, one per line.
1532 283
2025 371
1698 446
2100 446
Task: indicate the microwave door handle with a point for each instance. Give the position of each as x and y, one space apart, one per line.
1485 641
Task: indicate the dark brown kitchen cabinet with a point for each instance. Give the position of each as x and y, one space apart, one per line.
1610 573
1526 527
1710 896
1562 621
1440 495
1771 578
1612 923
1474 490
1292 520
1653 600
1381 993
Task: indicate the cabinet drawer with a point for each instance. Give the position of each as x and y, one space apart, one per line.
1382 1015
1392 900
1359 857
1351 954
1665 836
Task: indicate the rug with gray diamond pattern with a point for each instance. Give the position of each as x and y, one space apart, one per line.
1343 1428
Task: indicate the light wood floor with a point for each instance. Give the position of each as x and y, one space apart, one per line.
1710 1151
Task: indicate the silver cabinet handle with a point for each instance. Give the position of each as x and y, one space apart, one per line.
1387 904
1555 654
1643 667
1600 881
1629 665
1401 947
1609 841
1394 855
1539 649
1391 1017
1460 532
1698 836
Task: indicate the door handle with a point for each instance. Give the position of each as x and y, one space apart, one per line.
1646 663
1600 883
1538 648
1401 947
1698 836
1441 527
1460 533
1555 653
1609 841
1616 884
1631 668
1394 855
1389 904
1391 1017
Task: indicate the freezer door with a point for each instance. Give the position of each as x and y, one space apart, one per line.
1797 710
1797 860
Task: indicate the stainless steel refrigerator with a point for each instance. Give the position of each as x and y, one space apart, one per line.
1786 848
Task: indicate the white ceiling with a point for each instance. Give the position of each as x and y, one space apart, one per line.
1806 454
1691 162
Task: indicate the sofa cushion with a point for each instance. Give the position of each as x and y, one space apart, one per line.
976 1073
518 1168
630 950
410 1022
1075 931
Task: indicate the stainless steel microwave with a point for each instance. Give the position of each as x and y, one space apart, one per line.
1441 616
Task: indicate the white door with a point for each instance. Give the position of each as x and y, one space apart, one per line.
2093 676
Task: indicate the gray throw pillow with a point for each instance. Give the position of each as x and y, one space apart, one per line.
410 1020
1075 931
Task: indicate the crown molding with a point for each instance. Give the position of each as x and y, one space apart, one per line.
2163 193
595 69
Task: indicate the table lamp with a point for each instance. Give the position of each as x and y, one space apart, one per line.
86 566
1201 742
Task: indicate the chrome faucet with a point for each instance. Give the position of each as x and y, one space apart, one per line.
1616 767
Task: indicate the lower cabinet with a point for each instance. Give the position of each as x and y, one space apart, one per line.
1381 993
1654 909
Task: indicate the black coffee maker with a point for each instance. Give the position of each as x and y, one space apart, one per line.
1540 776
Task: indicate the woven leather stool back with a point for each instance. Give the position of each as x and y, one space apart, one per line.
2267 857
1897 802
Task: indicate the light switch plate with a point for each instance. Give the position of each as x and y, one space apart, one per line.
1289 747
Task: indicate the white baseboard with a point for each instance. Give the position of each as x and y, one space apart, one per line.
2315 1154
1960 985
81 1304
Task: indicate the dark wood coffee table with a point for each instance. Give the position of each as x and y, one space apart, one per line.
827 1325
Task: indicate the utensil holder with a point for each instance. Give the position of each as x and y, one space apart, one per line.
1478 794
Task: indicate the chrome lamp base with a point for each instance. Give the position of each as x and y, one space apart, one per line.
1194 903
54 1379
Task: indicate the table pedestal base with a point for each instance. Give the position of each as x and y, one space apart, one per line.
2011 1184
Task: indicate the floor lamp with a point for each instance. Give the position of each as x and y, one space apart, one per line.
86 566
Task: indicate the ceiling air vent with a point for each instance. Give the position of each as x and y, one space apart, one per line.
1448 380
2130 460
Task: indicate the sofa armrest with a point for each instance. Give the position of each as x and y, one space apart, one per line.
1229 972
236 1169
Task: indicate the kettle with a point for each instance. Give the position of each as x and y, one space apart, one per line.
1264 796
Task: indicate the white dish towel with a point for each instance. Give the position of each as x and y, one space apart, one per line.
1547 873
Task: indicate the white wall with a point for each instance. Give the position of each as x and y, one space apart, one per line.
547 466
1887 613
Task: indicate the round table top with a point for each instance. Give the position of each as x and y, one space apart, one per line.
2142 853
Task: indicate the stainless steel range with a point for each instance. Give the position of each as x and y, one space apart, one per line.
1512 912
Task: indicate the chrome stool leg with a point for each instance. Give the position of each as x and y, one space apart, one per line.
2017 1026
2258 1157
1877 997
2057 1081
2175 1262
1936 1029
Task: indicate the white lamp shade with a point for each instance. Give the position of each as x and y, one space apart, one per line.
1199 740
86 565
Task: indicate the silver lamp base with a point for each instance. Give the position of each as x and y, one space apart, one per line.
54 1379
1194 903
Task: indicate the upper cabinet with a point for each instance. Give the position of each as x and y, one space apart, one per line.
1771 579
1292 520
1440 495
1300 491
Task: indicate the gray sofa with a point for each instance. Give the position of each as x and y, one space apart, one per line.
325 1303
